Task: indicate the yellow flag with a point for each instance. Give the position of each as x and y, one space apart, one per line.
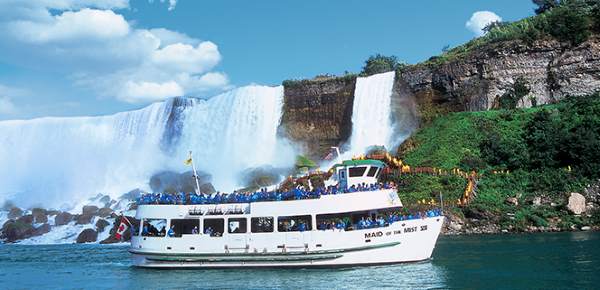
188 161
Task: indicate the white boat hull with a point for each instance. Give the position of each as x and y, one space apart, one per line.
403 241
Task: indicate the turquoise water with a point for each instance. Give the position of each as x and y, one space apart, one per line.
535 261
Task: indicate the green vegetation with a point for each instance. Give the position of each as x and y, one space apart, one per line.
511 98
303 82
544 152
305 162
569 21
380 63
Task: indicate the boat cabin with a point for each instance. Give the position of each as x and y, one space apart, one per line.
355 172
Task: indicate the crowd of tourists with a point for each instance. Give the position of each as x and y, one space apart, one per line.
367 222
297 193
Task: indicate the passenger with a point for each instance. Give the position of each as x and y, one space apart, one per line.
171 231
195 231
145 230
301 227
208 231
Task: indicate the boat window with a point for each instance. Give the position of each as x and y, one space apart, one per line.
372 171
135 226
213 227
379 172
342 174
349 221
298 223
185 227
154 227
356 171
237 226
261 224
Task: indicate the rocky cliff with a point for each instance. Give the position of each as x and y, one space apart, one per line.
552 69
318 112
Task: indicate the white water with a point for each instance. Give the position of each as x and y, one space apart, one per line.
59 162
371 113
234 131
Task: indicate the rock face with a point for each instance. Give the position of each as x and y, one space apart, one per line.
105 212
318 113
15 230
87 236
63 218
101 224
39 215
553 70
576 203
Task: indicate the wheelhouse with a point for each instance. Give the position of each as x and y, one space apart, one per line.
356 172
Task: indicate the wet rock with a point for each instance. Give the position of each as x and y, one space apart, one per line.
101 224
13 231
91 210
26 219
132 195
105 212
83 219
39 215
512 201
576 203
87 236
15 212
63 218
43 229
586 228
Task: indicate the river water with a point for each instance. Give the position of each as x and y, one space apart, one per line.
528 261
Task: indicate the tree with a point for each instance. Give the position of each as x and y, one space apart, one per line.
542 135
512 96
494 25
570 22
380 63
545 5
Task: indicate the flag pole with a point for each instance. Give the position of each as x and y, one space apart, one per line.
195 174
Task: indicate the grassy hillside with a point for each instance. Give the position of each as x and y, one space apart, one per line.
545 152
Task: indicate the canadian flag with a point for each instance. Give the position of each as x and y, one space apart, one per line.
123 226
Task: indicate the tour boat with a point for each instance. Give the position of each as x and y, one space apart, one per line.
355 225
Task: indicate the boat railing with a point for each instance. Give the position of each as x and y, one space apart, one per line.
259 196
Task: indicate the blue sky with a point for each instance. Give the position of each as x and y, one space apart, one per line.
69 57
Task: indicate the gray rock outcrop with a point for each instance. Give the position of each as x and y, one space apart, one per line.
87 236
576 203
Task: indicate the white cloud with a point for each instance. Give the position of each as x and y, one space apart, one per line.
480 19
186 58
142 92
7 107
100 50
70 25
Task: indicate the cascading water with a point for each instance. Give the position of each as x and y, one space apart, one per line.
61 161
235 131
371 113
56 161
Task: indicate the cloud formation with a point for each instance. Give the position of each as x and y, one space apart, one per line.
480 19
93 45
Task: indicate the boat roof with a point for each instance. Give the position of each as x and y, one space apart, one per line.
361 162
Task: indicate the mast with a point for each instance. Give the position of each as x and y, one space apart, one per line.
191 160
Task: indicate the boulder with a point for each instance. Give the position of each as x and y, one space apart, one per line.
105 200
13 231
91 210
43 229
105 212
87 236
15 212
63 218
586 228
101 224
26 219
576 203
512 201
39 215
83 219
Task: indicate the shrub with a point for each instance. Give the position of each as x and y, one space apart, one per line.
570 22
380 63
511 98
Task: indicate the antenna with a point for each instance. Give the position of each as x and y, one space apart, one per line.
195 174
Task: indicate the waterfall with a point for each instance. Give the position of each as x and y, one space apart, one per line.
61 161
371 113
235 131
